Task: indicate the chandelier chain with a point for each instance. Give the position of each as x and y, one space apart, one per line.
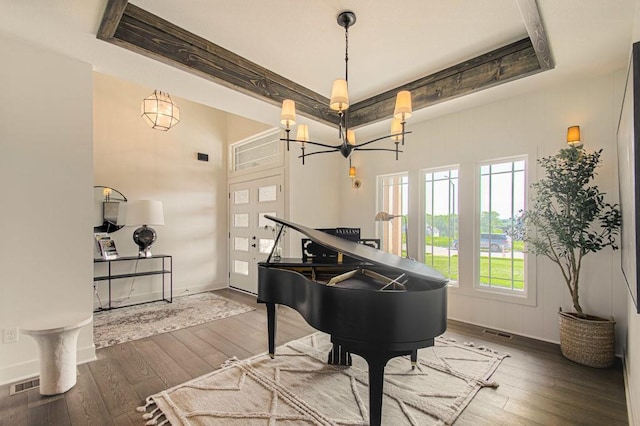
343 124
346 53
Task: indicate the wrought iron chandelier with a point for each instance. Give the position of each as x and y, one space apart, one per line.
340 102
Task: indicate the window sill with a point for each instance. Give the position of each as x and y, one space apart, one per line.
524 298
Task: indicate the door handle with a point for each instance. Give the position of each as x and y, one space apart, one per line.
253 245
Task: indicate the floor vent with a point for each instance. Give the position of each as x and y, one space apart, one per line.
497 333
24 386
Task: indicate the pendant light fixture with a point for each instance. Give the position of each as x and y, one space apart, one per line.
159 111
340 103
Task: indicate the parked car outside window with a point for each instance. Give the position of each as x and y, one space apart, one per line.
493 242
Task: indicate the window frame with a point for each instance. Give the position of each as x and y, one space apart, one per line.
379 231
423 212
528 295
274 136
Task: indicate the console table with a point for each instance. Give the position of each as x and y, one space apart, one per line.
167 269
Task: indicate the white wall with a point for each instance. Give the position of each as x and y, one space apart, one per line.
533 125
632 352
46 185
144 163
314 193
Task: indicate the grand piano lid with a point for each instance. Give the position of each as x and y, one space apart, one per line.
366 253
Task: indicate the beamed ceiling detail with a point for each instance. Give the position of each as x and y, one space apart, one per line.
133 28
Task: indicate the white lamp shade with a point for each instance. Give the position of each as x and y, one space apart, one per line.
303 133
288 114
159 111
396 129
351 137
339 96
144 212
403 105
573 135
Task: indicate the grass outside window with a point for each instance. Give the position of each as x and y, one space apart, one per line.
501 270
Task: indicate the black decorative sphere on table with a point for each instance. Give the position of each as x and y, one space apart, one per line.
144 237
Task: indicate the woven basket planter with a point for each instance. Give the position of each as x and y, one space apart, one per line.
589 341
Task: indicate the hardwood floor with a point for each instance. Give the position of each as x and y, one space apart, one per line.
537 385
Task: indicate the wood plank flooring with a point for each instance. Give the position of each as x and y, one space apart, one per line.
537 385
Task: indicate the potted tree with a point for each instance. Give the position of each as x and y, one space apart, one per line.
567 220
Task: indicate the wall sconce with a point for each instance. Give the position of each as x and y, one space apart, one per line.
355 183
573 136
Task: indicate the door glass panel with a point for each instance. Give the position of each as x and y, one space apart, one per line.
241 220
267 193
241 244
265 245
241 267
241 197
263 221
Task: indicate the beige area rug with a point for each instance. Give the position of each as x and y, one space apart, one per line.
299 388
136 322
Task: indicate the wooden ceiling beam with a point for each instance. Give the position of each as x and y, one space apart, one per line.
537 34
508 63
111 18
133 28
154 37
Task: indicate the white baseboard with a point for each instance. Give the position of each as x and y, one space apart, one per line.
633 407
505 330
31 368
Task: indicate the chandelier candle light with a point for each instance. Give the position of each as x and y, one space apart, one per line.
340 102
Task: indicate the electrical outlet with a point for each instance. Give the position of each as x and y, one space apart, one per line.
10 335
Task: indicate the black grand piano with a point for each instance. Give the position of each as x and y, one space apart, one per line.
377 305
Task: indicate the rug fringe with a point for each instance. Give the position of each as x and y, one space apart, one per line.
488 384
148 416
151 415
230 361
154 421
144 407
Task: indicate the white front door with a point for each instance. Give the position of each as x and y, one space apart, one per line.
249 241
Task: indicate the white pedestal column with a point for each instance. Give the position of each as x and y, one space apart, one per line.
57 340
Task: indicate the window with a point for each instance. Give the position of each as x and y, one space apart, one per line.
261 150
500 248
441 221
393 198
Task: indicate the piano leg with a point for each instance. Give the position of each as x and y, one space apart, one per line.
376 381
414 359
271 328
339 356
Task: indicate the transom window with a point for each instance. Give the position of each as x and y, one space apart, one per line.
261 150
499 245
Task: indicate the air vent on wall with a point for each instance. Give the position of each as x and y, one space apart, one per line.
24 386
497 333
